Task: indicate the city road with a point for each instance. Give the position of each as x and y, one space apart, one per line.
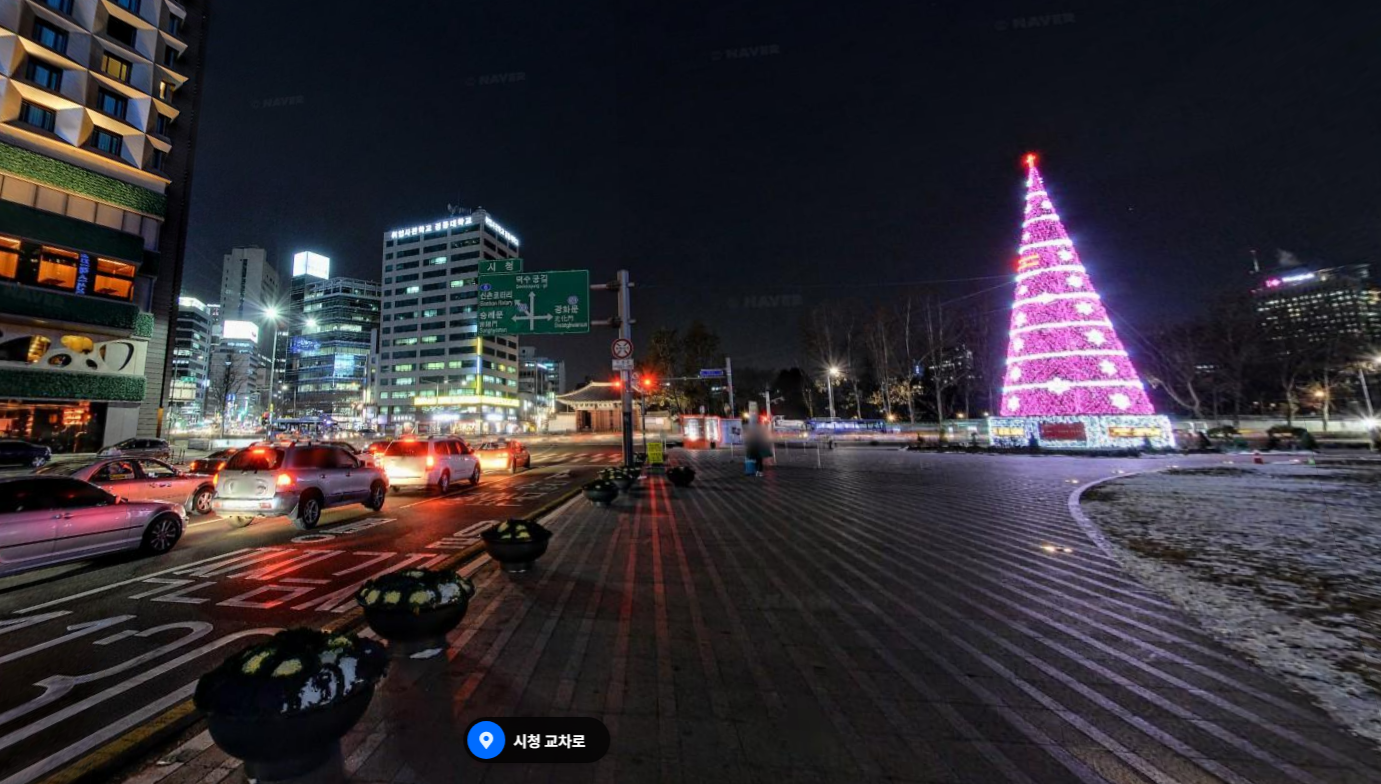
91 649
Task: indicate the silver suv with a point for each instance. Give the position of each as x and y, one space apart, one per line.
430 462
297 480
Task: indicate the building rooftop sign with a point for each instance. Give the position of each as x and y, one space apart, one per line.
428 228
501 231
311 264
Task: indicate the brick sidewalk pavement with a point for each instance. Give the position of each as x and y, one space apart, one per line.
894 617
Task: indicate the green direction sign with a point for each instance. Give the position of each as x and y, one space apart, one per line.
490 266
534 303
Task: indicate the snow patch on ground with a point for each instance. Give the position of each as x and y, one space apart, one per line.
1280 561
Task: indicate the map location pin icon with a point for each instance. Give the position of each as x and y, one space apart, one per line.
486 739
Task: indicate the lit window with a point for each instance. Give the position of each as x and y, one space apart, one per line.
9 258
115 68
165 90
57 268
412 290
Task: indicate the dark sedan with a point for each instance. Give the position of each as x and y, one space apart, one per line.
212 462
16 452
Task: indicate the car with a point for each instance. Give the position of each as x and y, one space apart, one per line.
429 463
141 479
212 462
365 455
503 455
299 480
139 447
51 519
16 452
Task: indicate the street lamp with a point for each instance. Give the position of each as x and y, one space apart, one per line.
829 386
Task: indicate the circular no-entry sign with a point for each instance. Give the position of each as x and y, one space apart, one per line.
623 348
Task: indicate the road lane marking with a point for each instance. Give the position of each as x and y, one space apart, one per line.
115 729
77 630
140 578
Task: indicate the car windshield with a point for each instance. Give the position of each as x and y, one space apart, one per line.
62 469
406 449
490 446
259 458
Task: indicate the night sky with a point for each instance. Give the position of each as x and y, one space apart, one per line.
826 150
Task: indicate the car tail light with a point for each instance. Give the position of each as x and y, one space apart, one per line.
431 461
285 480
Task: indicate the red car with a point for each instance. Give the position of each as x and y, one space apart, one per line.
503 455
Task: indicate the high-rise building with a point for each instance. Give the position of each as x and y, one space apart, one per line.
191 362
1335 308
540 380
331 357
97 124
238 375
249 284
436 374
308 269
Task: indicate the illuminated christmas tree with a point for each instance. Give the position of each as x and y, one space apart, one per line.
1068 381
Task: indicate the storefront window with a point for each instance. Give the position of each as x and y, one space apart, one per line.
28 349
57 268
114 279
9 258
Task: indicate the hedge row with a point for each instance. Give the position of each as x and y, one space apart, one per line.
37 303
63 385
74 179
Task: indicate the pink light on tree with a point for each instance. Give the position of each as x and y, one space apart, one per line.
1063 355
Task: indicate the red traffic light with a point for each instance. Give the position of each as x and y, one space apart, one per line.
649 382
618 383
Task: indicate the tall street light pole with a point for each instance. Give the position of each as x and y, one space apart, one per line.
829 386
272 314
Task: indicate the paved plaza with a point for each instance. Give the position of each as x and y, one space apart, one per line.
892 616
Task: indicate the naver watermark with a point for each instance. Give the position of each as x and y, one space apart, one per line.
512 77
1034 22
746 52
280 101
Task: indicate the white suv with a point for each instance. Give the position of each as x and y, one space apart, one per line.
429 462
298 480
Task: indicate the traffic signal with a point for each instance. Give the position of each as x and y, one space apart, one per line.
618 383
649 382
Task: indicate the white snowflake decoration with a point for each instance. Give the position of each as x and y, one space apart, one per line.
1025 236
1019 344
1046 298
1047 205
1096 337
1013 403
1015 374
1120 400
1084 309
1020 319
1075 282
1059 386
1108 368
1022 289
1065 255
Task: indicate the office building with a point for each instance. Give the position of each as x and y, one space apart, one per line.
97 125
331 358
238 376
249 284
191 364
308 269
540 380
436 374
1334 309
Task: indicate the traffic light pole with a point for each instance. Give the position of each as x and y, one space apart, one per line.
626 332
622 286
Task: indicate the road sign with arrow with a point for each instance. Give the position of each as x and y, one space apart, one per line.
534 303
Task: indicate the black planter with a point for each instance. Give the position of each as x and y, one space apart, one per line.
281 746
601 496
406 626
516 557
681 477
623 482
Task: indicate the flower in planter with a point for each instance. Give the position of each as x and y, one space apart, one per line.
516 531
601 485
296 670
415 590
